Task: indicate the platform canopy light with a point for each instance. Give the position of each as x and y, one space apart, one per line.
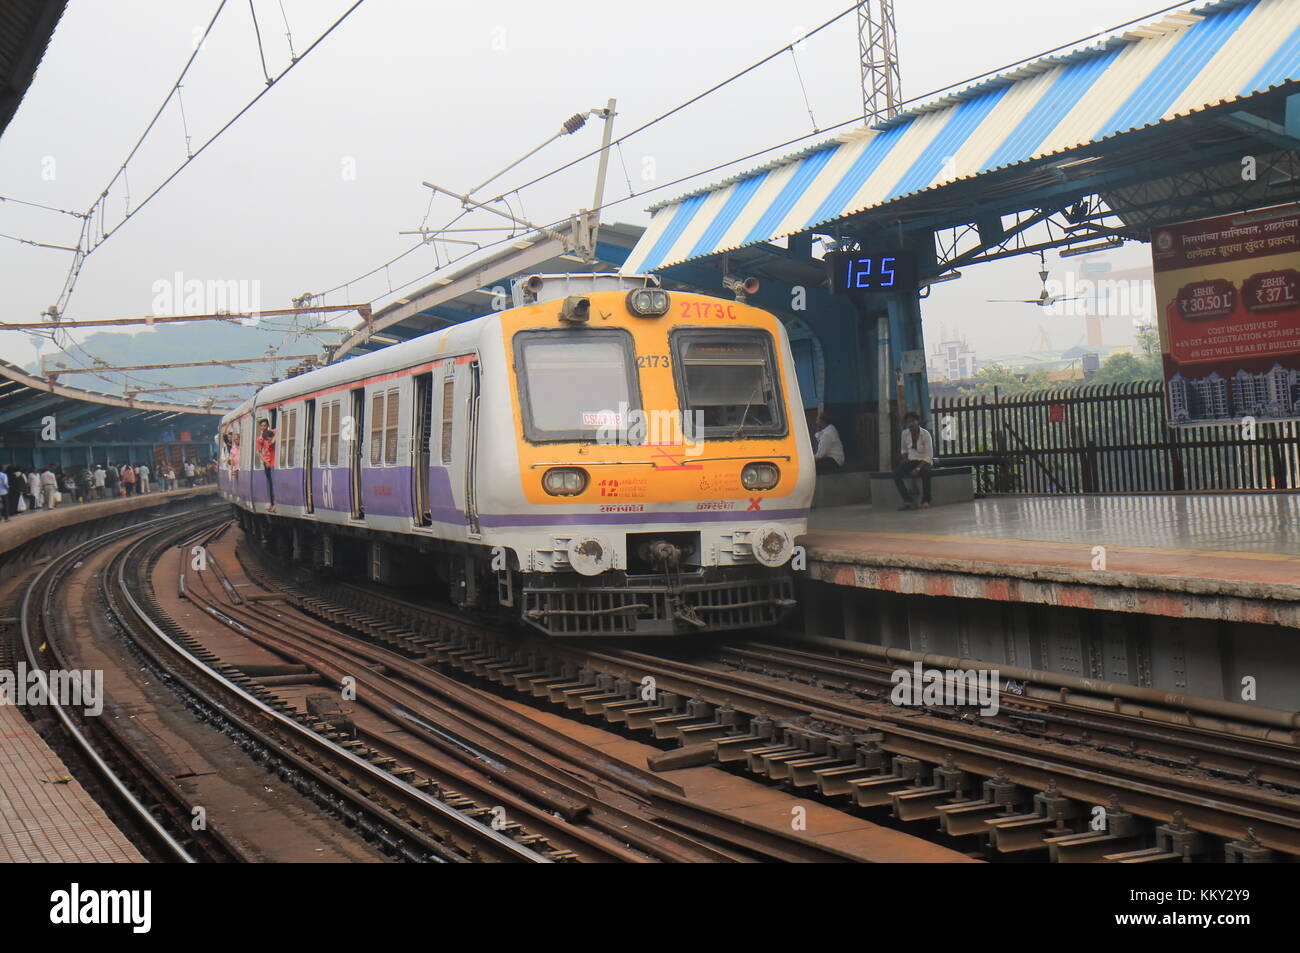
648 302
564 481
760 476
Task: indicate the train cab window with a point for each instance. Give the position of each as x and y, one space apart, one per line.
731 379
571 382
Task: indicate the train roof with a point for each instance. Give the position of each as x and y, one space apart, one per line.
449 340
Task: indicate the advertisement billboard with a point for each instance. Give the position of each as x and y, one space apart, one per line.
1228 296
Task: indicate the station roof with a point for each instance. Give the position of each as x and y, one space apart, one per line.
25 400
468 292
1041 115
25 30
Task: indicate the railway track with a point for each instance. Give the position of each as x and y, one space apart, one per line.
1168 785
549 785
409 822
149 804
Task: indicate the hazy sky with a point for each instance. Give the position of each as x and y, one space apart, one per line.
311 187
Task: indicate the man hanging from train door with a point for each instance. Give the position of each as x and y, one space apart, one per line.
266 450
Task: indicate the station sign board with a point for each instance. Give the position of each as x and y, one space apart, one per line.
1228 305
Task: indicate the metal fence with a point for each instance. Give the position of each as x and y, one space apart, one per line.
1109 438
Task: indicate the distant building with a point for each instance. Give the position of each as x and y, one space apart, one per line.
952 361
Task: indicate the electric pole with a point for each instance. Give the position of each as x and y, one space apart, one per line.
878 55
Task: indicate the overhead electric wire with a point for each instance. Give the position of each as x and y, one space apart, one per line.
48 208
109 233
752 155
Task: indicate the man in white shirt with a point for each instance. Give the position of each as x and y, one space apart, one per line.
142 474
49 486
916 458
830 449
99 476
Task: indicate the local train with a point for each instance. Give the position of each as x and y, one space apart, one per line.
603 457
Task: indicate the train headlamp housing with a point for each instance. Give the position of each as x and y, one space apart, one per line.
576 310
564 481
648 302
759 476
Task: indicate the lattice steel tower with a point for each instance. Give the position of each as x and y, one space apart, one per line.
878 52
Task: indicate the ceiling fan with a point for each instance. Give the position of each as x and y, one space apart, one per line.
1044 299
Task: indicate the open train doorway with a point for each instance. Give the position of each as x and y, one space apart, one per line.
355 447
309 456
421 435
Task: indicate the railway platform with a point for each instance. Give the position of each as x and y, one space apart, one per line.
46 816
1195 594
27 527
1231 557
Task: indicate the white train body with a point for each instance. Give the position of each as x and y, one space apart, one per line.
447 445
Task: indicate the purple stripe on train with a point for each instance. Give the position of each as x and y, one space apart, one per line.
688 516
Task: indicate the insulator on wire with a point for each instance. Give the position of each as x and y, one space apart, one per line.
574 123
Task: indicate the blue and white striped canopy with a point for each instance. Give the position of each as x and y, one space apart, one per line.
1181 65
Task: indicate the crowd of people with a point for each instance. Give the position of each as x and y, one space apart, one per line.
26 490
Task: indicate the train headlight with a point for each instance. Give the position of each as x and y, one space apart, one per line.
564 481
648 302
759 476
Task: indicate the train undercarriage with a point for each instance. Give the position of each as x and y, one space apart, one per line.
667 600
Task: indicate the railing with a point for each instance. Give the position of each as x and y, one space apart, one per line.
1110 438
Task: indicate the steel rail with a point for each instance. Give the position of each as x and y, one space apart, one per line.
215 682
44 584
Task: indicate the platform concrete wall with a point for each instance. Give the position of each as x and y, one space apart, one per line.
1197 656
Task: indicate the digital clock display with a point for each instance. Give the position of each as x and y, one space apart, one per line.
856 272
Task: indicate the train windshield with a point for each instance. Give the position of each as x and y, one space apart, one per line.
730 379
574 384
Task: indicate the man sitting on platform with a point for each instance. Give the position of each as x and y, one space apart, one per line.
915 459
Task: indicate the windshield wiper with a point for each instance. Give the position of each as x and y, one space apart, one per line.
745 416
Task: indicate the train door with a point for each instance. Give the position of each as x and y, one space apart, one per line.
471 445
355 446
421 435
309 455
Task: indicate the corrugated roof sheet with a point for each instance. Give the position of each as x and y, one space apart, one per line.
1184 64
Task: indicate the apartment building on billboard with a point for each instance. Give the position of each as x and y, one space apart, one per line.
1271 394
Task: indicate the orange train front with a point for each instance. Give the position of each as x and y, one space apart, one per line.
605 457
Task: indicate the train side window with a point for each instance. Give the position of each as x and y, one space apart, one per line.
393 401
448 411
329 441
323 435
336 427
289 440
376 426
